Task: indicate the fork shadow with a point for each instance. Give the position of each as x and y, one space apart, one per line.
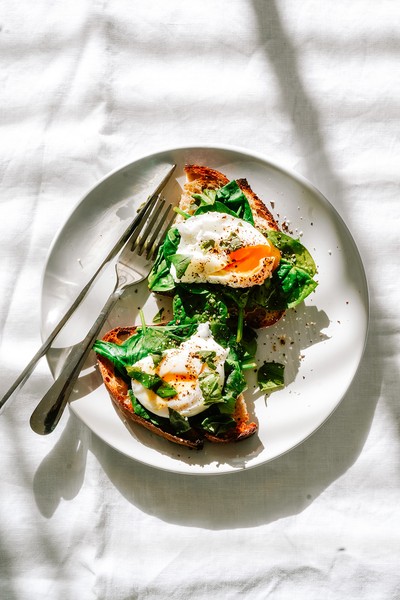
272 491
61 473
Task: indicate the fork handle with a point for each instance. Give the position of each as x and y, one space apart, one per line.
47 343
47 414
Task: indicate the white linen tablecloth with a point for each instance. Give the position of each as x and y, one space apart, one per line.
87 86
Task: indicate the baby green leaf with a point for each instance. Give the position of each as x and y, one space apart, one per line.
270 376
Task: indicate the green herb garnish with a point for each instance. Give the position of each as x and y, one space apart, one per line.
152 382
270 376
179 422
181 263
210 387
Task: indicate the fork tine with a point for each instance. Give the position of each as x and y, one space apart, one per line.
152 252
156 233
146 211
151 223
148 240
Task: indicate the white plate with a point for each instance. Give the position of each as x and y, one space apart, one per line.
321 341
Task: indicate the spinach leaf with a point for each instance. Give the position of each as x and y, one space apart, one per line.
160 278
218 423
210 387
293 251
171 242
270 376
179 422
228 199
197 303
240 299
144 342
217 206
233 197
158 317
181 263
207 357
292 281
295 283
235 382
152 382
247 349
139 410
156 357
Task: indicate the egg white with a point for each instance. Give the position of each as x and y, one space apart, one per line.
180 367
205 238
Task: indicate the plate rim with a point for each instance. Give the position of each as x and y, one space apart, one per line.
291 173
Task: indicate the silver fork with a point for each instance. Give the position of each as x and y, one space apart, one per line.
132 267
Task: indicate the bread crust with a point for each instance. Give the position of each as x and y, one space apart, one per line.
118 390
200 178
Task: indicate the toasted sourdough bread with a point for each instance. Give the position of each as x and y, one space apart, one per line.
118 390
200 178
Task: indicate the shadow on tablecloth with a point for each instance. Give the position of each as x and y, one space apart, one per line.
290 483
280 488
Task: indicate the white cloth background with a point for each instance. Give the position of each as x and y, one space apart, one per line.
88 85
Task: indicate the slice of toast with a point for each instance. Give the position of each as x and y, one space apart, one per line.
200 178
118 389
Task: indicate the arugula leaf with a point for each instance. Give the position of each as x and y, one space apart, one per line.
210 387
217 424
181 263
270 376
179 422
152 382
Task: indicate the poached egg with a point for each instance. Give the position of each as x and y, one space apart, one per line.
226 250
181 368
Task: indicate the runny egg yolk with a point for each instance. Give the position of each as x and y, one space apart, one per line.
247 259
183 383
182 367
